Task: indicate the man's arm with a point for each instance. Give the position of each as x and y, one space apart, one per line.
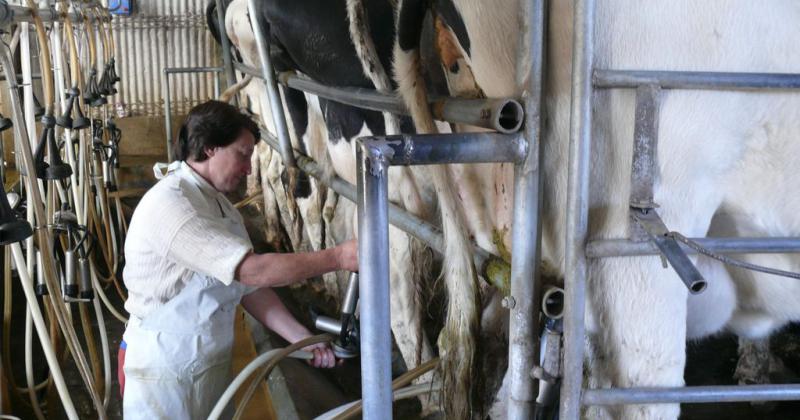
270 270
265 306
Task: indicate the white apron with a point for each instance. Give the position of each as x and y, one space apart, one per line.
178 358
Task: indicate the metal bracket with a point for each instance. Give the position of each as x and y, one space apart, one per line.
644 166
652 224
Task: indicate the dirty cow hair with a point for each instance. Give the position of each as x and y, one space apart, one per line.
211 124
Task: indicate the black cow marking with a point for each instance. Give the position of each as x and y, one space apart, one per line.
345 122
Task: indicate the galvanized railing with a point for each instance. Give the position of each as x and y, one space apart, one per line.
585 77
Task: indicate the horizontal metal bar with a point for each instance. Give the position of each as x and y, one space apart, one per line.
244 68
398 217
626 248
503 115
691 394
359 97
176 70
19 78
12 14
434 149
694 79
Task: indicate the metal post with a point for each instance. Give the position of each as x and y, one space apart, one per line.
168 115
577 208
373 250
526 228
275 102
230 77
216 85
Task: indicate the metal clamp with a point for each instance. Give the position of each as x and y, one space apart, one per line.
669 248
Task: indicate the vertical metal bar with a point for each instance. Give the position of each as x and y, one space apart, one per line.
577 207
216 85
373 250
168 116
526 230
272 89
230 77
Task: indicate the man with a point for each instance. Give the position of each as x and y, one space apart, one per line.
189 262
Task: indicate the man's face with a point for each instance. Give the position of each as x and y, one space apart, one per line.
230 164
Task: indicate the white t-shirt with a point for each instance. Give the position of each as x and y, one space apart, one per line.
179 228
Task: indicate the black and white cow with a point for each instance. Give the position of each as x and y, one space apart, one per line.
326 129
725 159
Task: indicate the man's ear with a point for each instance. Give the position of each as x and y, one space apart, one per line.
209 151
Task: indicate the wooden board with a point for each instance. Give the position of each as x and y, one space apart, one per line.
244 351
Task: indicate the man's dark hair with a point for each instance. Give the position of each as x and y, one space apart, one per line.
211 124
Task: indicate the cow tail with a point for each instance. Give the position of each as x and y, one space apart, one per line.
457 340
368 56
373 68
232 91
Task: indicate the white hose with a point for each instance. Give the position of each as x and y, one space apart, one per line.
402 393
41 330
101 324
99 290
251 367
37 409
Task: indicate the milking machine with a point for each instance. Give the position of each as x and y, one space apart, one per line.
345 346
54 193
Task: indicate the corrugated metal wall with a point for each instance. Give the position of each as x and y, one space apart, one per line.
159 34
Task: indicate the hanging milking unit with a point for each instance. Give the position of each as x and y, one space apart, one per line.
76 243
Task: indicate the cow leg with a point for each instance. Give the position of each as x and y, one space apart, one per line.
640 344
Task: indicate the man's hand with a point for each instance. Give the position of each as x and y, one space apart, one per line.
347 255
323 356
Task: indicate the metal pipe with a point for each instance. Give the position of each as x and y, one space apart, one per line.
351 295
373 250
553 302
691 394
398 217
577 208
627 248
230 76
168 116
275 103
19 77
435 149
167 98
694 80
10 14
177 70
526 233
328 324
501 114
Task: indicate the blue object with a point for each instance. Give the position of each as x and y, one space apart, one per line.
120 7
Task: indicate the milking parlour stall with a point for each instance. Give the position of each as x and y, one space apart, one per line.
444 209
